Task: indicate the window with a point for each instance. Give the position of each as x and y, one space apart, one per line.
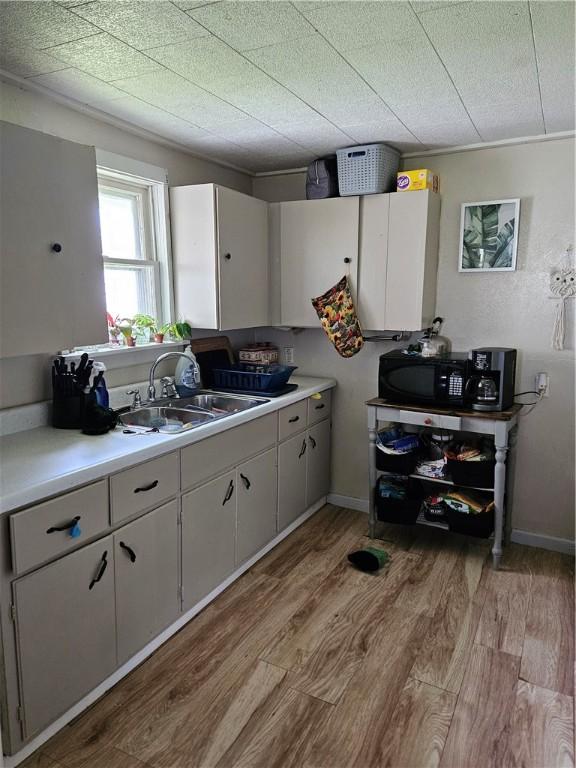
134 246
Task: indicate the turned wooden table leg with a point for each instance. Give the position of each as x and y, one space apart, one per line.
372 475
501 444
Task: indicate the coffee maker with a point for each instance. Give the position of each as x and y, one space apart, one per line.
490 385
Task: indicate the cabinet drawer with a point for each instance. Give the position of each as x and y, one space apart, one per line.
430 420
291 419
143 487
47 530
215 454
319 407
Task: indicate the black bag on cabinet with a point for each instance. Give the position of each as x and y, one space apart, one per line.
322 178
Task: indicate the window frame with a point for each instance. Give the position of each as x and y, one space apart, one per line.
153 229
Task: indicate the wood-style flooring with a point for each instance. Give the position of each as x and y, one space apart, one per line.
305 662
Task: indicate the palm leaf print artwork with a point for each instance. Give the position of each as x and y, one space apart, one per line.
489 236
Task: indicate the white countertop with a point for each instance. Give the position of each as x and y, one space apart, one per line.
43 462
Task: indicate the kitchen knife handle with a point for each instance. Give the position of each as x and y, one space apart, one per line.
101 569
145 488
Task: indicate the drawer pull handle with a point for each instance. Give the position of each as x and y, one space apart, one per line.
319 407
246 481
302 450
129 551
312 442
293 419
101 569
72 526
146 487
229 492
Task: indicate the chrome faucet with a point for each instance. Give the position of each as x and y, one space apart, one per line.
165 356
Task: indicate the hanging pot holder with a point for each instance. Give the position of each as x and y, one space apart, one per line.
335 309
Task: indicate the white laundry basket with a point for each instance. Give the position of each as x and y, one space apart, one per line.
368 169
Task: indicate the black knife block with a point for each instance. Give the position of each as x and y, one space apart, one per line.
68 412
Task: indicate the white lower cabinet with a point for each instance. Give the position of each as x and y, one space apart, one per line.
208 537
257 499
146 575
66 631
291 479
318 462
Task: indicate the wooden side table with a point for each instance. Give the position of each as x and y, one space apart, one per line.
499 424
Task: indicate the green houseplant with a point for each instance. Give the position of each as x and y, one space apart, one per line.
177 331
146 326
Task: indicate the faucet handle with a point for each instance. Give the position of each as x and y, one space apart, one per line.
137 401
168 387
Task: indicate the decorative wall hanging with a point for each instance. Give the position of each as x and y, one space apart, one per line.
489 236
335 308
563 287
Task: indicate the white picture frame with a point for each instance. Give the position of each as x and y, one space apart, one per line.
489 236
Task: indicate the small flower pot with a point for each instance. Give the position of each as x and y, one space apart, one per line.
130 341
158 338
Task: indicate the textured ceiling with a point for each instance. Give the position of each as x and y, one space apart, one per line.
269 85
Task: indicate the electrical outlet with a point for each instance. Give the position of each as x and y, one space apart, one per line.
542 384
288 355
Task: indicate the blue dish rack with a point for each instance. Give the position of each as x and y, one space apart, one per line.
252 378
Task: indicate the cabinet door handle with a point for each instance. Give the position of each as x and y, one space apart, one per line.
227 256
319 407
246 481
302 450
72 526
293 419
129 551
347 260
146 487
229 492
312 441
101 569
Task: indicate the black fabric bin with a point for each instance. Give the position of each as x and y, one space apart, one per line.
402 511
477 474
480 525
399 464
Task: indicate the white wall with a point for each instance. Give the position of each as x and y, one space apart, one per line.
27 379
504 309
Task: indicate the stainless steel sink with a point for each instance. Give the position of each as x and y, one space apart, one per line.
218 403
166 419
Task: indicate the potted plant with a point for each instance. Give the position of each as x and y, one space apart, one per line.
177 331
126 326
113 330
145 326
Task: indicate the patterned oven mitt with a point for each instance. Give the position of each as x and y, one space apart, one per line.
335 309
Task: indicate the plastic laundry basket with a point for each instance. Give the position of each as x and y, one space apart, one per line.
367 170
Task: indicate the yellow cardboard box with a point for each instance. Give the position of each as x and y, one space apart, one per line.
410 181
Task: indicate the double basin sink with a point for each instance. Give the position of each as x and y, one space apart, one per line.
174 415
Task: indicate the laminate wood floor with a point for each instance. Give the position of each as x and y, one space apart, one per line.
305 662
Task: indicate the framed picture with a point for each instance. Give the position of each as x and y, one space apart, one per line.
489 236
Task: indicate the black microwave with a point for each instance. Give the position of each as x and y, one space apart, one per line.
420 380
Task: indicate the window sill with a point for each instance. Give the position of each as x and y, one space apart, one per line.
125 357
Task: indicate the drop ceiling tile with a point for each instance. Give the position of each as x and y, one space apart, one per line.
312 70
423 6
493 59
147 116
319 135
372 131
104 57
248 25
350 25
25 62
40 24
507 120
179 96
187 5
451 134
142 24
554 25
79 85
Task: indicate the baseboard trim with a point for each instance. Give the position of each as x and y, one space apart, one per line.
554 544
350 502
12 761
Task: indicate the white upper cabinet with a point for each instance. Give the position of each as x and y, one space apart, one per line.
221 265
51 270
318 245
398 260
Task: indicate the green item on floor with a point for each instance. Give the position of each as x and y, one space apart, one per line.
369 559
